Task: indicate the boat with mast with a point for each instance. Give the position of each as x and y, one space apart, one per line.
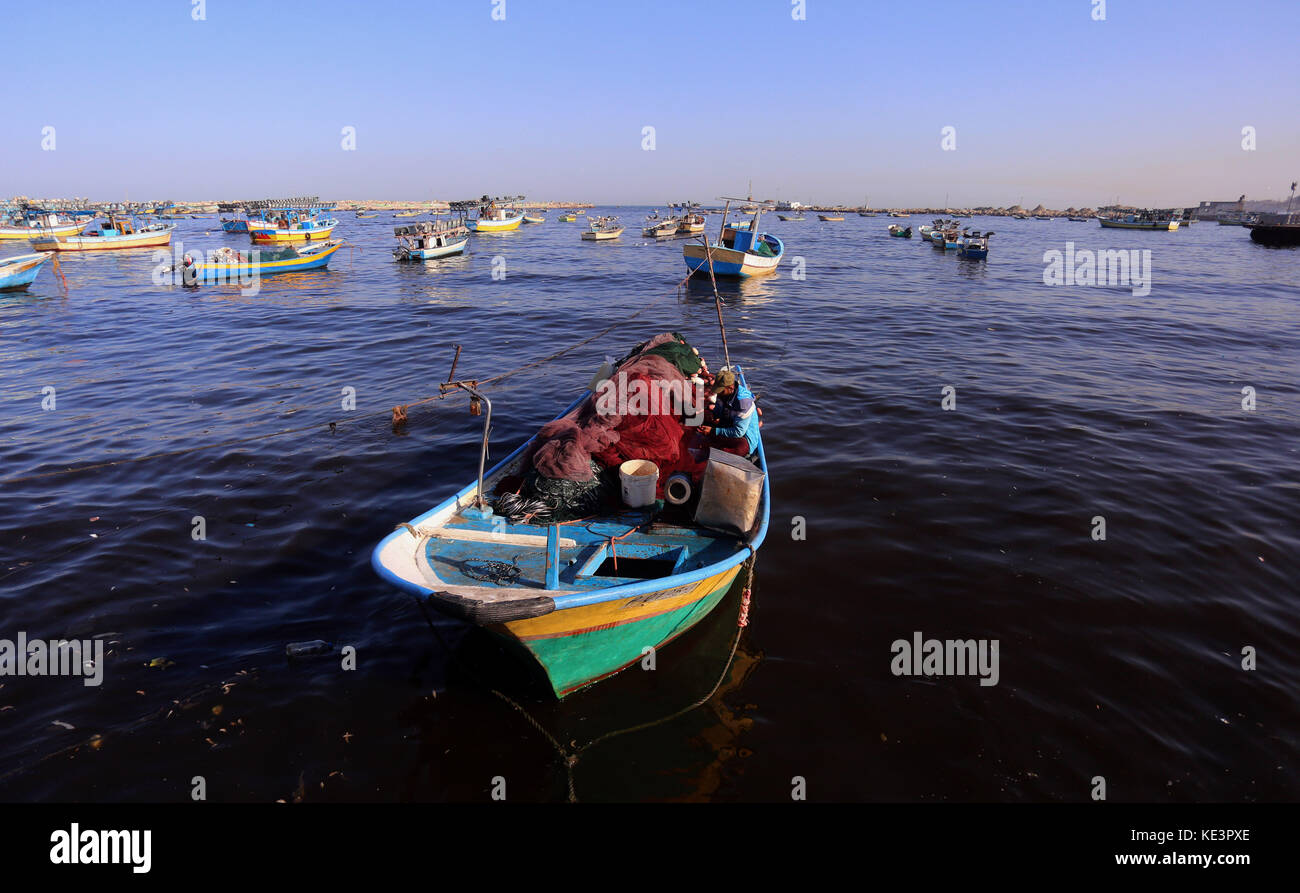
737 252
561 568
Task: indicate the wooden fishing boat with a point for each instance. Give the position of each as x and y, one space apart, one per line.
1280 230
790 217
37 225
17 273
408 213
584 599
497 215
1143 220
974 246
114 233
1042 217
361 216
277 221
692 222
229 265
900 232
737 252
1077 219
430 241
602 229
568 218
300 230
529 218
949 240
235 224
829 218
661 229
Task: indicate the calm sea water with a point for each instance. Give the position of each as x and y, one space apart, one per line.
1119 658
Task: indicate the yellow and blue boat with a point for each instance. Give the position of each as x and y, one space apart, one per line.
585 599
116 232
497 215
274 221
228 265
35 225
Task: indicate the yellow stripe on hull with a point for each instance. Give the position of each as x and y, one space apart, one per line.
494 226
104 243
606 615
291 235
37 232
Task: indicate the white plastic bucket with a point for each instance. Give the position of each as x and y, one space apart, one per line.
640 479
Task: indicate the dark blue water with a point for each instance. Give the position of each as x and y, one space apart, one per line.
1119 658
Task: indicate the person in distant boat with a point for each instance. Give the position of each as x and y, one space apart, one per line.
734 416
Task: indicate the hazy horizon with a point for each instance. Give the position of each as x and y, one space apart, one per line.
1047 105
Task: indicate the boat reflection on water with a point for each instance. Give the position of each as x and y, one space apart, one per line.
305 287
753 290
441 282
685 758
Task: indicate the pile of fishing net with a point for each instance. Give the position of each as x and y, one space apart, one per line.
543 500
639 412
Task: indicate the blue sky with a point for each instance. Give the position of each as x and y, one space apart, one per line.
1047 103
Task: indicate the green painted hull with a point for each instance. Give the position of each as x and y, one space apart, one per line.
574 662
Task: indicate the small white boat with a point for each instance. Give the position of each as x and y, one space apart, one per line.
661 229
603 228
430 241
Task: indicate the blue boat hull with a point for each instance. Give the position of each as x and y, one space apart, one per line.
21 278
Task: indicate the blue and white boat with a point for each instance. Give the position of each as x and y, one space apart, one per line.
737 252
430 241
229 265
974 246
583 599
18 272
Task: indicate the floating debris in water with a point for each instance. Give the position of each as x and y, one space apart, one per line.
307 649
